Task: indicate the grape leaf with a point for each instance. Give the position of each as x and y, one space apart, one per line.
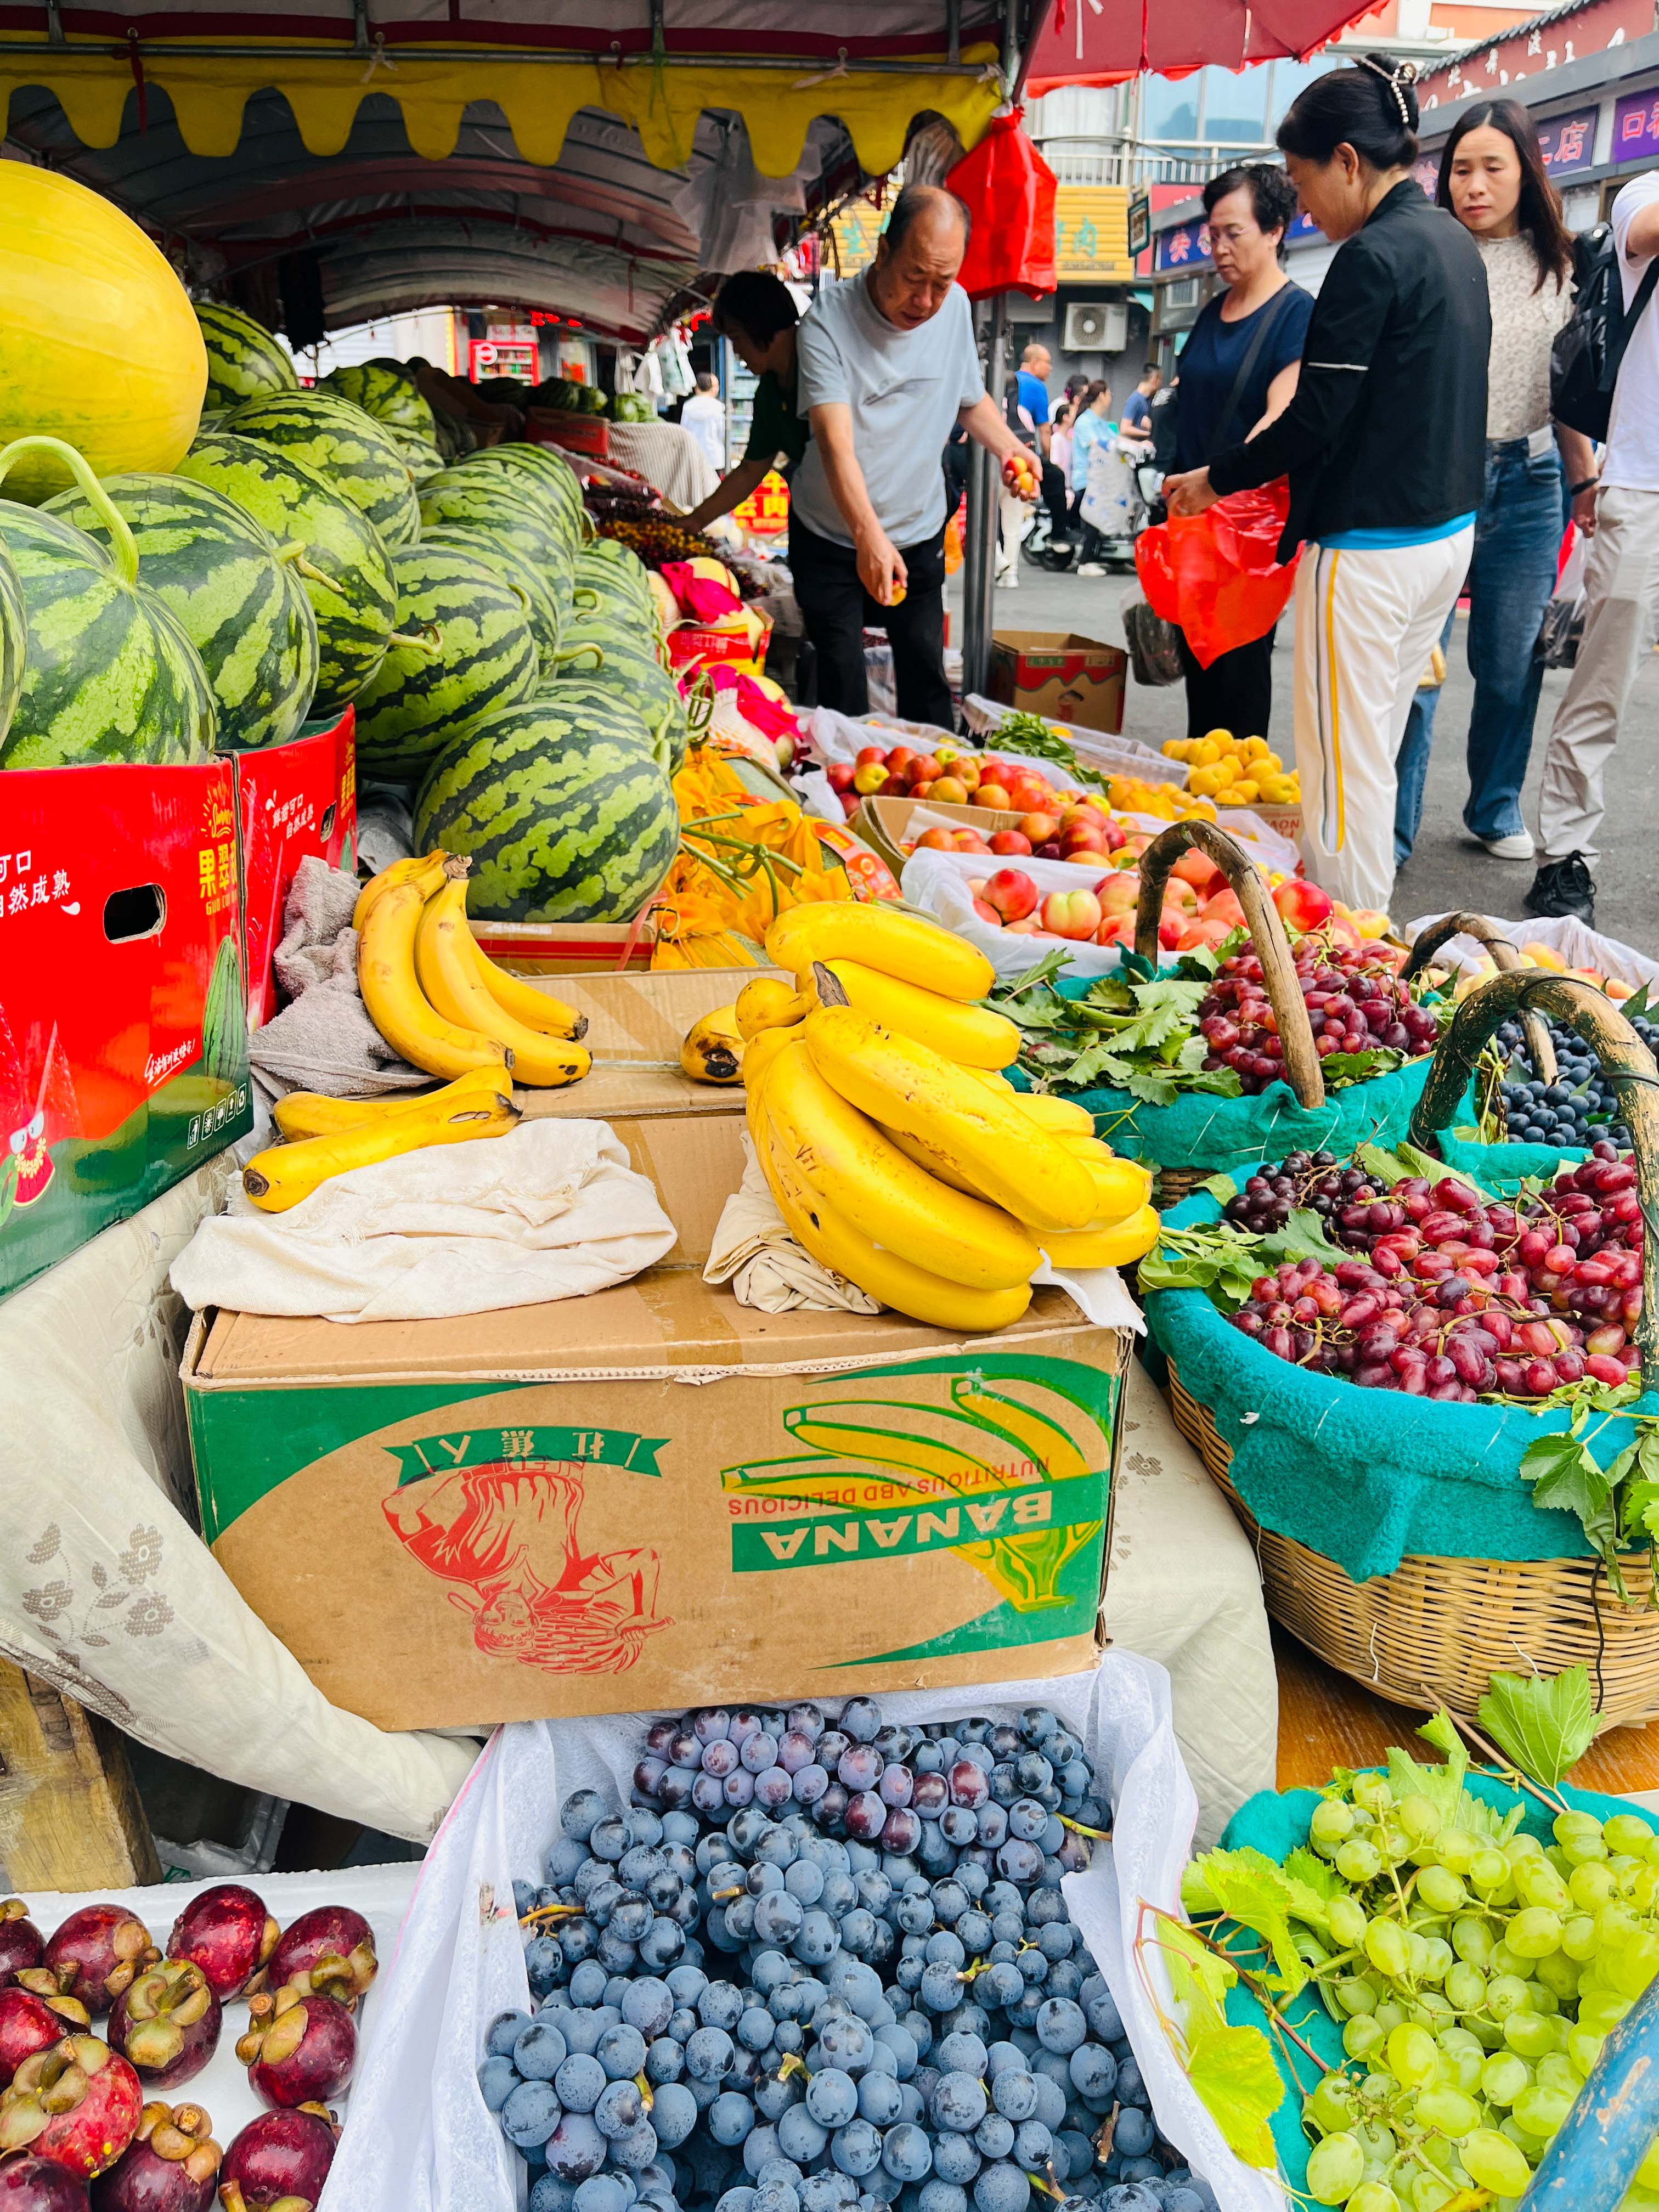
1233 2071
1545 1723
1221 1188
1199 1977
1443 1785
1247 1887
1564 1476
1303 1238
1312 1884
1384 1169
1342 1068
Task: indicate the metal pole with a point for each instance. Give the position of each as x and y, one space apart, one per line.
980 562
1592 2161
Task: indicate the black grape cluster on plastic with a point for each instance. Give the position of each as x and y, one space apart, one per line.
827 1967
1579 1107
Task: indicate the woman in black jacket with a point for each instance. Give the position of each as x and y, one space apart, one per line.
1384 445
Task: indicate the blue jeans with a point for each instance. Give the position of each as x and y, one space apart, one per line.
1517 544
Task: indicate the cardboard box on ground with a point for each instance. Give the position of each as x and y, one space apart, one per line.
1061 674
657 1496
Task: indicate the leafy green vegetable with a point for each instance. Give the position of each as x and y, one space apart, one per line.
1221 1261
1545 1723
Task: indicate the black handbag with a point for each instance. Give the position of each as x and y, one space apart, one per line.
1585 358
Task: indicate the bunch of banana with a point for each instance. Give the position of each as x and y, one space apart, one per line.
438 1000
898 1154
330 1136
712 1048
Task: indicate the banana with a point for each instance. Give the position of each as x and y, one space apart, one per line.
986 1139
971 1035
1112 1246
768 1003
758 1054
1121 1186
537 1010
930 1157
712 1048
834 1243
847 1161
1061 1117
310 1113
899 944
993 1081
413 870
447 975
392 991
280 1178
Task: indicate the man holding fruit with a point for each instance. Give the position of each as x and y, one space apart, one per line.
886 364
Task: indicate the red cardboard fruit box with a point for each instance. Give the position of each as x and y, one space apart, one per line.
291 800
1061 674
123 1037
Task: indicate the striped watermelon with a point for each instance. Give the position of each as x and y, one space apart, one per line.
422 457
239 602
343 564
388 391
539 473
346 448
487 658
244 362
484 500
616 707
559 826
14 636
541 607
108 674
614 570
621 659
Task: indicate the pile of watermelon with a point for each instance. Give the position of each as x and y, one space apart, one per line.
315 549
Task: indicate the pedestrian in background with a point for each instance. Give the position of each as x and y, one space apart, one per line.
1238 370
1035 367
1621 585
1137 421
1092 423
1060 445
1493 180
1384 444
704 416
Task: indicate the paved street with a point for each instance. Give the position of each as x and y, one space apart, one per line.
1442 872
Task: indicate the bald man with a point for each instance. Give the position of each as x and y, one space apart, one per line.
887 363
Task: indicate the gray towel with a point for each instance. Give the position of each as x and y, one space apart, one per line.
323 1040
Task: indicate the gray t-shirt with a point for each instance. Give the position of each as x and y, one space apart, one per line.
905 389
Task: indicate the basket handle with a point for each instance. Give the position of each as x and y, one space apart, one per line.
1626 1061
1272 948
1540 1049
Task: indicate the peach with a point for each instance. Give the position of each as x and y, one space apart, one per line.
1010 841
924 768
870 778
936 840
1224 907
1073 914
1304 904
992 794
870 756
1118 894
987 912
968 840
1037 826
839 774
1012 893
1194 868
948 791
1116 929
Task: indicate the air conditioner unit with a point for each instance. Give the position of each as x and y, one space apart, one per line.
1096 326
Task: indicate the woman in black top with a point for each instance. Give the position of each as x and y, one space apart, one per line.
1384 444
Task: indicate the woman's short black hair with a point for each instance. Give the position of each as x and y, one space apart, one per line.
760 305
1371 107
1273 196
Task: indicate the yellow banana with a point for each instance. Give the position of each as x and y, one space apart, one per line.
712 1050
899 944
971 1035
281 1178
1061 1117
1115 1246
310 1113
758 1054
987 1139
847 1161
444 965
768 1003
416 869
834 1243
396 1005
537 1010
996 1082
928 1156
1121 1186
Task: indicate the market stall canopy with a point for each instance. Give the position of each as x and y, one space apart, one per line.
1086 42
558 154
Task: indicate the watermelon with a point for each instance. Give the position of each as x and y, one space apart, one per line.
422 457
108 674
540 474
610 567
343 564
541 607
486 499
14 635
560 825
620 703
388 391
347 448
239 602
616 640
417 700
244 362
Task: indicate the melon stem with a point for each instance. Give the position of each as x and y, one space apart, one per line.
121 544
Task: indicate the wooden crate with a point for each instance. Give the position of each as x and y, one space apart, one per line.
70 1814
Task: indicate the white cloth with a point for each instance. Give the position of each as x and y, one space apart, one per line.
1367 622
704 416
1631 460
669 456
324 1039
552 1209
755 1253
1621 609
904 390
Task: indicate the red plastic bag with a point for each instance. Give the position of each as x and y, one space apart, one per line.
700 596
1217 576
1008 190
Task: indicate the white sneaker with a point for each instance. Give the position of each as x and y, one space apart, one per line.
1517 846
1090 568
1010 582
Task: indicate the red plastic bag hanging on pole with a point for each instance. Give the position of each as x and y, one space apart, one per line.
1008 190
1217 576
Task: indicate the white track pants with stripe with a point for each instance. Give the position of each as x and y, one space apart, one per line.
1366 624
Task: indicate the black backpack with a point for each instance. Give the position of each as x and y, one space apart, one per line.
1589 349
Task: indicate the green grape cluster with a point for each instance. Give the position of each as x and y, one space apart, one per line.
1476 1975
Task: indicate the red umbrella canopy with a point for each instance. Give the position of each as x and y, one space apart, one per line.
1104 41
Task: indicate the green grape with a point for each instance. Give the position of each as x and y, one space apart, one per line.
1542 2000
1390 2016
1373 1792
1632 1964
1556 2072
1346 1916
1388 1948
1521 1846
1536 1883
1358 1861
1416 1952
1591 1885
1531 2147
1602 2010
1331 1825
1439 1959
1412 2055
1489 1871
1361 2035
1486 2032
1647 2173
1505 1993
1635 2199
1377 2139
1643 1890
1457 1849
1534 1933
1581 1939
1458 2042
1430 2191
1558 1859
1529 2034
1626 1873
1374 2196
1559 1976
1431 2010
1330 2107
1491 2161
1465 1987
1505 1961
1393 1843
1355 1995
1628 1832
1419 1817
1473 1941
1614 1924
1579 1835
1583 2048
1503 2078
1440 1890
1462 2068
1447 2109
1336 2166
1540 2110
